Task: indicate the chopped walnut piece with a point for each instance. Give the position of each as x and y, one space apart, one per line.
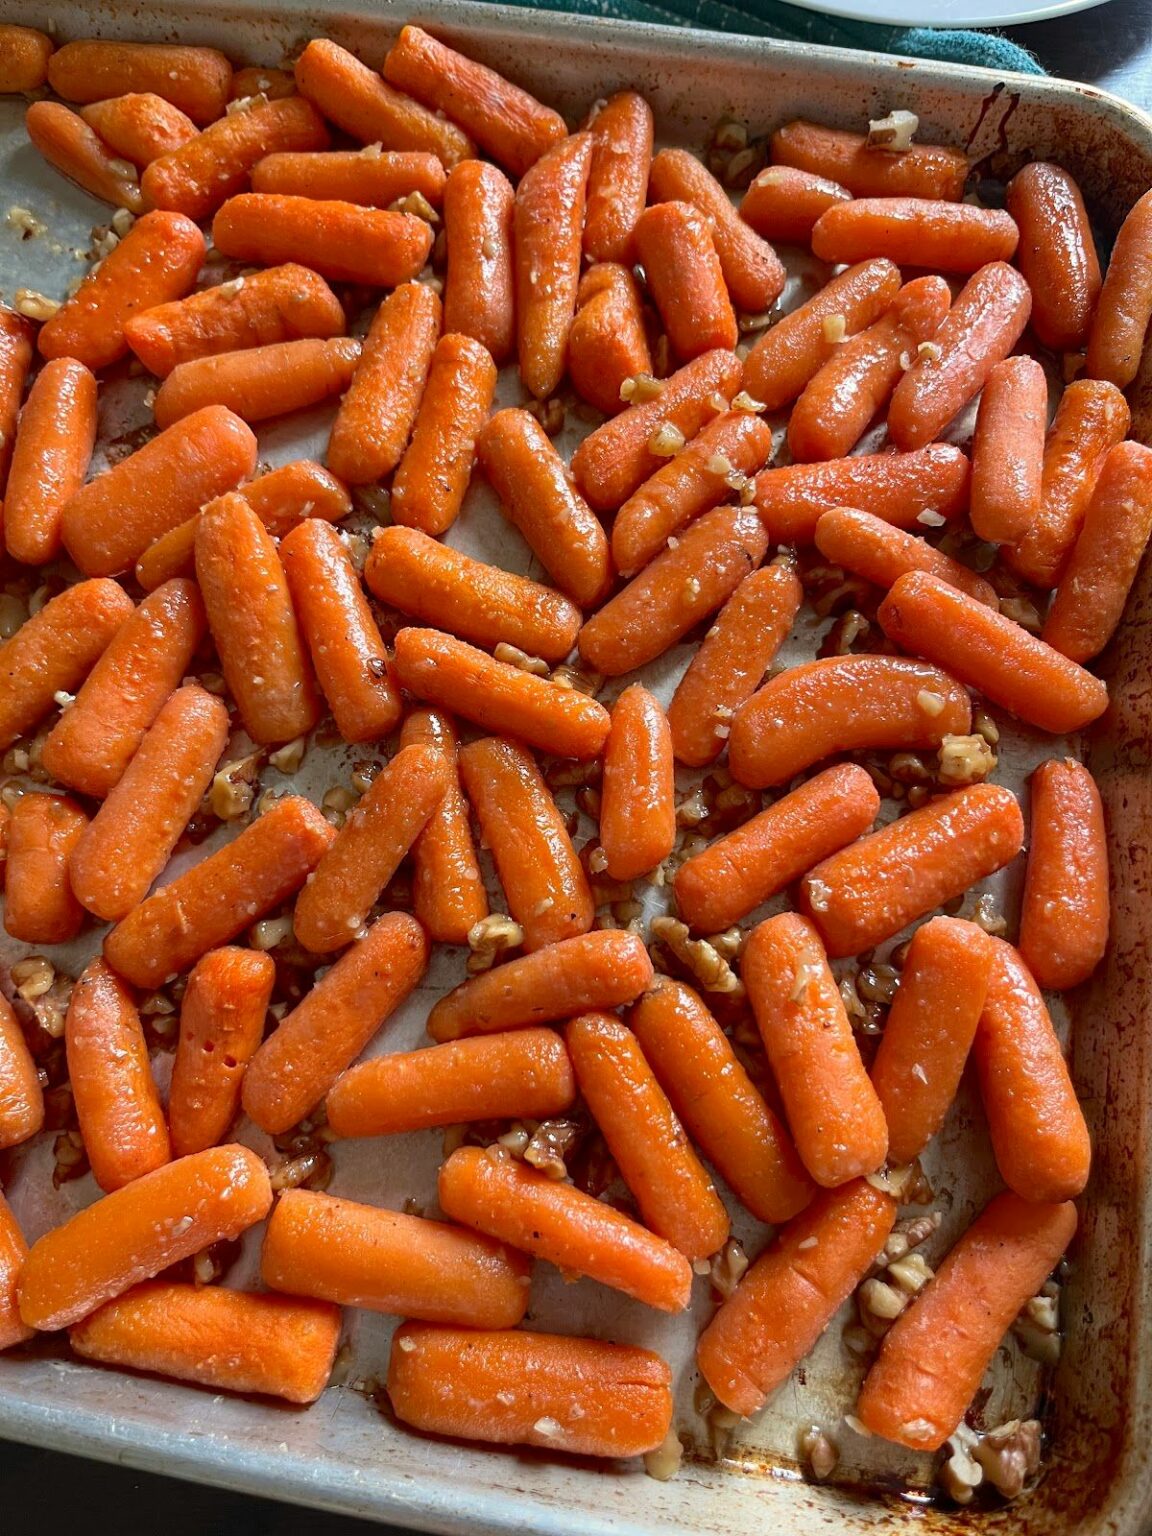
834 328
664 1462
909 1233
549 413
964 760
490 937
985 915
641 388
33 305
819 1452
233 787
33 977
960 1474
709 967
896 131
513 656
1010 1456
550 1143
1037 1328
880 1300
667 441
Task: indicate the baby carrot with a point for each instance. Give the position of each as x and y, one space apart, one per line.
39 906
534 488
618 176
432 478
723 883
16 335
131 838
13 1252
323 1035
24 55
930 1029
342 241
1057 254
988 651
261 381
131 1235
218 898
221 1026
70 147
358 101
194 79
54 442
731 660
1008 451
260 80
506 122
447 886
377 414
915 231
385 1261
983 325
833 1112
600 970
479 289
21 1097
347 651
637 805
669 597
864 894
494 695
139 126
523 1073
489 1190
791 1293
924 170
1064 914
547 223
882 554
579 1396
1116 339
543 880
783 203
607 344
117 1102
231 1341
368 176
674 245
934 1356
333 907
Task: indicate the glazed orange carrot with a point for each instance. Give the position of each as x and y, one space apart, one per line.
1057 254
983 325
489 1190
731 660
131 1235
1116 339
543 880
218 898
783 203
1008 451
13 1252
673 243
934 1356
1064 914
600 970
232 1341
139 126
377 414
280 304
621 132
222 1017
607 344
333 907
854 385
479 289
261 381
39 906
117 1103
496 696
347 651
367 176
259 80
924 170
788 355
447 888
882 554
832 1108
638 800
54 442
578 1396
55 650
916 231
385 1261
194 79
547 223
1091 418
682 586
676 1197
21 1097
358 101
864 894
70 147
132 836
536 492
1094 588
791 1293
523 1073
432 478
214 166
16 335
723 883
24 55
506 122
324 1034
615 459
342 241
930 1029
990 652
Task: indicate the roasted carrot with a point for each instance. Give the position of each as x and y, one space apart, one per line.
868 170
607 344
791 1293
385 1261
637 809
261 381
260 80
53 449
24 55
1116 339
547 223
368 176
881 553
13 1252
621 132
935 1354
231 1341
194 79
1057 253
674 245
447 888
342 241
487 1189
783 203
21 1097
39 906
543 880
1008 451
1064 914
139 126
429 486
70 147
16 335
324 1034
479 289
916 231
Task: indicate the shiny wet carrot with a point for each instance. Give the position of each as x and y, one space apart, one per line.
448 891
39 906
608 344
261 80
16 337
1008 451
637 793
50 459
674 245
25 54
430 483
373 177
139 126
479 290
70 147
13 1252
21 1096
880 553
1057 253
867 170
344 242
783 203
194 79
1116 340
548 219
915 231
1064 914
261 381
621 132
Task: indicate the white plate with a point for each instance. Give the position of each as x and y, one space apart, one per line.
951 13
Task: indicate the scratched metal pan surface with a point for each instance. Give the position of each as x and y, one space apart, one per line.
345 1453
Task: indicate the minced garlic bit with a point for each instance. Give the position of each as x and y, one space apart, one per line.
640 388
231 288
834 328
728 1267
931 703
964 760
664 1462
709 967
819 1452
63 700
548 1427
743 401
691 590
33 305
930 519
417 205
287 759
372 151
122 221
269 932
667 441
25 221
895 132
597 861
513 656
931 351
246 103
818 895
805 974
